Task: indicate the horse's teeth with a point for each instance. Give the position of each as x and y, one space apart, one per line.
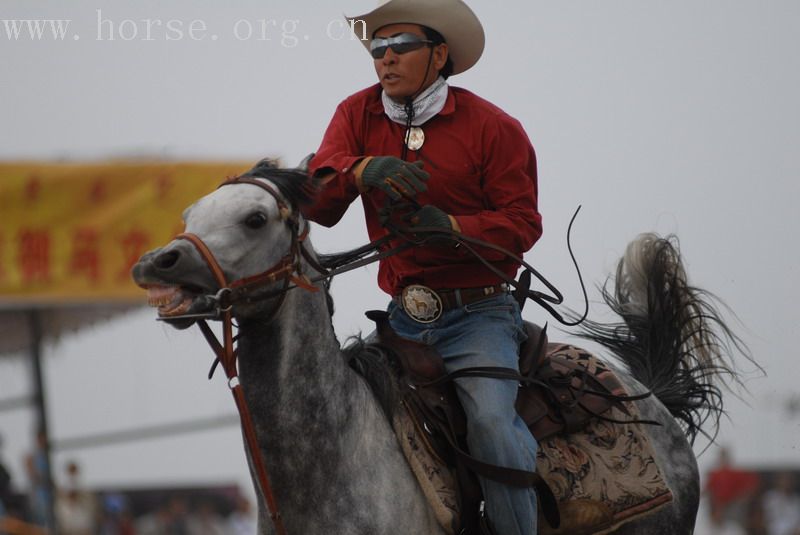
170 300
158 296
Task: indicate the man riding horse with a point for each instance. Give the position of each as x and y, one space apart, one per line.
458 163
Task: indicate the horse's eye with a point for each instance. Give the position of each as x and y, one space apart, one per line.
256 220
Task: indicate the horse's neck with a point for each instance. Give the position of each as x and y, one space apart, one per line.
293 371
328 447
315 418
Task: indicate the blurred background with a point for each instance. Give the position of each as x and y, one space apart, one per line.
677 117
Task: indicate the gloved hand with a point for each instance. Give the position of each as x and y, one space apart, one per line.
395 177
429 216
433 218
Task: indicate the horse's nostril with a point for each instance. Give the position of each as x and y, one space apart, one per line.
167 259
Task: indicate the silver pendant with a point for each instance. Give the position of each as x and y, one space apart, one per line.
415 137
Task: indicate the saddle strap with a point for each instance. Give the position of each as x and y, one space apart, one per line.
510 374
492 372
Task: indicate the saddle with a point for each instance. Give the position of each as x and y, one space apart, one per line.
556 395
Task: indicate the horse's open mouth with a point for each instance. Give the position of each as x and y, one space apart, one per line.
171 300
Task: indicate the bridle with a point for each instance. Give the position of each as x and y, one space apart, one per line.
245 290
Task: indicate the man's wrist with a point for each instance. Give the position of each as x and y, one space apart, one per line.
358 170
454 223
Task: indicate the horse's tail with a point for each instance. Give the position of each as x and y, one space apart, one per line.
673 338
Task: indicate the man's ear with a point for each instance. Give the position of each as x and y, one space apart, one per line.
440 54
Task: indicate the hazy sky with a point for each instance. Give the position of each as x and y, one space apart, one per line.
674 116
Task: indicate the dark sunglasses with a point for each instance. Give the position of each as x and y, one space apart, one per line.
400 44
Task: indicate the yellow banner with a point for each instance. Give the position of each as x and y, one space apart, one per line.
71 232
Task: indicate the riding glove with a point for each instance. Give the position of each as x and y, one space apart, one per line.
395 177
430 217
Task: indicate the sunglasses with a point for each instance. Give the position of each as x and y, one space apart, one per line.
400 44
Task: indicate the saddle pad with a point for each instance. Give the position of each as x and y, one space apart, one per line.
603 477
436 479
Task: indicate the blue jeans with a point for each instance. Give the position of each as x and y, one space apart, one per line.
486 333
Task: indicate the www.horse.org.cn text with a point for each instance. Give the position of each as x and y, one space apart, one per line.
287 32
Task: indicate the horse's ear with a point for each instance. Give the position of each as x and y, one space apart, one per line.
263 166
303 165
268 163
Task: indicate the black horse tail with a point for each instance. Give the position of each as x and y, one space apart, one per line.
672 338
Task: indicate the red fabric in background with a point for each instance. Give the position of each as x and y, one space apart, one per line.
726 485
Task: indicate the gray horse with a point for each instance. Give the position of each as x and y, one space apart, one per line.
335 464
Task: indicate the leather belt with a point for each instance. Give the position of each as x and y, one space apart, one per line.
426 305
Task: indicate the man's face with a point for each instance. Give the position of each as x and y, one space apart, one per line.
402 75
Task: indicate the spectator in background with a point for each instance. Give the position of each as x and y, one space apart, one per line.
12 517
242 521
170 519
178 517
781 506
5 483
729 491
206 520
754 522
76 508
154 523
36 465
116 517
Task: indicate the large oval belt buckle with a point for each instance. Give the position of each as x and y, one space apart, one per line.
421 303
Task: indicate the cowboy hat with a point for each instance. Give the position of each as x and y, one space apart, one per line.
453 19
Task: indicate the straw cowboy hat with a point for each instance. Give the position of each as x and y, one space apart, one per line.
452 18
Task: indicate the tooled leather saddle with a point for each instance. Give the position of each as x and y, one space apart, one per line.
555 396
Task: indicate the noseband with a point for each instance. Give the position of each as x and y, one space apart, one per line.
247 290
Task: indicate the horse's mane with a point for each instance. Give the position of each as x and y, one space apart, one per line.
295 185
378 366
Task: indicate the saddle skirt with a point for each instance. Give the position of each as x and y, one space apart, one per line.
601 470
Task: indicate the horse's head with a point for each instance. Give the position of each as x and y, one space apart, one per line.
248 226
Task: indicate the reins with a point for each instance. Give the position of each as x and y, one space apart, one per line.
420 235
414 237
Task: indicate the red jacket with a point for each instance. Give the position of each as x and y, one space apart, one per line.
482 171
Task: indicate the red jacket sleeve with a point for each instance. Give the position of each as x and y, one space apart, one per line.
512 218
339 151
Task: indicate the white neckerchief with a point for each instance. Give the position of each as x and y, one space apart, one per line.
426 105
